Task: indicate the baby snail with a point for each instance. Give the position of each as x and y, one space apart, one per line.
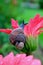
17 38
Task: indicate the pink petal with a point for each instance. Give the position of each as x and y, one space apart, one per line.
19 57
37 16
28 28
1 59
37 27
25 30
36 62
7 31
39 32
26 61
33 26
9 59
14 23
35 21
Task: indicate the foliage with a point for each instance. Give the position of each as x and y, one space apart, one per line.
41 4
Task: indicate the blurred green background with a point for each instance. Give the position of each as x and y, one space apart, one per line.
19 10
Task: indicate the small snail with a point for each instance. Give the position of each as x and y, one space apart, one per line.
18 38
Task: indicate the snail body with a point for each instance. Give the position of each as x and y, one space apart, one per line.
18 38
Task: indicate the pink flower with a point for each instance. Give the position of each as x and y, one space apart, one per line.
33 28
30 31
19 59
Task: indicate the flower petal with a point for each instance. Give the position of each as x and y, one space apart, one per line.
14 23
9 59
36 62
1 59
8 31
34 25
27 60
37 27
19 59
38 32
35 21
37 16
25 30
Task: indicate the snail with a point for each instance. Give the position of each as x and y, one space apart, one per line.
17 38
16 35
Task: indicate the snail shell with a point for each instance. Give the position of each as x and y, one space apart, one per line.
18 38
